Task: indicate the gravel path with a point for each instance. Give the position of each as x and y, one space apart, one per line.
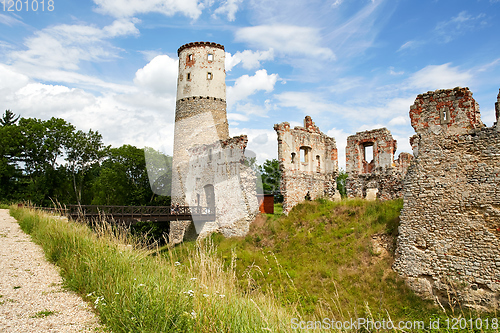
31 297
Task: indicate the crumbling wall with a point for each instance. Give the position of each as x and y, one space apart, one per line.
218 178
449 235
308 163
382 176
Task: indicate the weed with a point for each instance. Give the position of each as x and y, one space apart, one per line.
17 287
43 314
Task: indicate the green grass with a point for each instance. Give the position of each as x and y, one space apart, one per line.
4 206
134 290
43 314
321 258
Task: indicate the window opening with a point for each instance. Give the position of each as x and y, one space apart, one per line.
369 154
188 76
210 155
293 157
209 76
210 57
190 57
304 154
318 163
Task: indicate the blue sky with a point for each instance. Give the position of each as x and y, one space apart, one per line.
352 65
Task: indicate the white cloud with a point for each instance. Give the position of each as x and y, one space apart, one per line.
410 45
393 72
127 8
341 140
337 3
308 103
136 117
264 149
236 116
64 46
9 20
459 25
229 7
11 80
159 75
399 120
287 39
249 85
248 59
444 76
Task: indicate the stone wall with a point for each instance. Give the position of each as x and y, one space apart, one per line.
449 235
207 165
308 163
382 176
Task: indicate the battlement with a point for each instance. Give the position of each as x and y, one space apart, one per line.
194 98
196 44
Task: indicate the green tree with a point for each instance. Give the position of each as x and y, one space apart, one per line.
8 118
341 179
124 179
84 150
10 154
271 178
42 145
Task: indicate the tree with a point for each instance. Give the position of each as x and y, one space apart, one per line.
341 179
83 151
9 118
271 179
124 179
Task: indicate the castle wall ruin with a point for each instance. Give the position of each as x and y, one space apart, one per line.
208 166
308 162
381 177
449 234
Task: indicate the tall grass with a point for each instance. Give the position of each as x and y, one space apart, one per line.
134 290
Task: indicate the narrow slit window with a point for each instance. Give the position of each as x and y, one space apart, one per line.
188 76
318 163
293 157
209 76
190 57
210 155
210 57
302 155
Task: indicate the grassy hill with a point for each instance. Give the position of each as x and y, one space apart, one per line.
326 259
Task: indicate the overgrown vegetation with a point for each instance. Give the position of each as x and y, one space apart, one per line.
47 161
324 260
327 258
134 290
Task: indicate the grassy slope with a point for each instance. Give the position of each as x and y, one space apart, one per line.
321 257
135 291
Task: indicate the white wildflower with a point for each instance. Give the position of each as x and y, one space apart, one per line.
192 279
193 314
177 263
222 296
205 295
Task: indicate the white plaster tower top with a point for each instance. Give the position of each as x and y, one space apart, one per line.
201 71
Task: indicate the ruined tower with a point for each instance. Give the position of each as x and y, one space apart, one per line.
376 174
200 111
449 235
308 162
208 170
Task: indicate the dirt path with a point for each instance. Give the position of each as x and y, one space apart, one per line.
31 297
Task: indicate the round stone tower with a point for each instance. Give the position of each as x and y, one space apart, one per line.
200 112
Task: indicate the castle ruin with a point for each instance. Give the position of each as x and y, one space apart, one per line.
308 162
208 166
449 236
382 176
